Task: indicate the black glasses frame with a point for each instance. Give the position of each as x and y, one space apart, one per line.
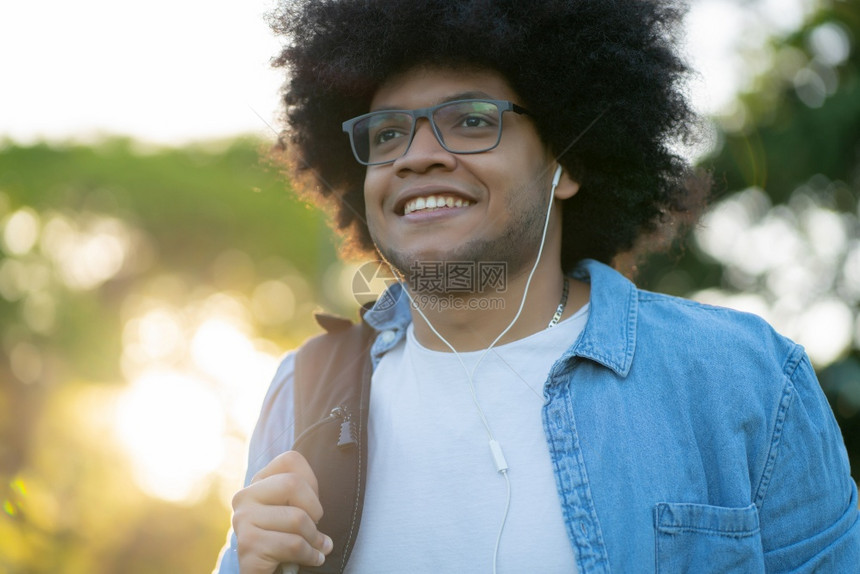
502 105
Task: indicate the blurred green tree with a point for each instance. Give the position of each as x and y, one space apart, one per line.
782 238
113 257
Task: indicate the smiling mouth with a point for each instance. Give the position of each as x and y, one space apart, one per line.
434 202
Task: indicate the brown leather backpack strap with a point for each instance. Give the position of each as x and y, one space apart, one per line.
332 395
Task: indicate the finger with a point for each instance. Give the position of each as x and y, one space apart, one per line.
289 462
269 535
281 490
290 520
263 551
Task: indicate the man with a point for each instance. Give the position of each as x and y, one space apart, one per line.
530 409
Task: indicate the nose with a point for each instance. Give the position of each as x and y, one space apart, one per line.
425 151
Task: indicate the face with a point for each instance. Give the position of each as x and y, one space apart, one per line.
434 205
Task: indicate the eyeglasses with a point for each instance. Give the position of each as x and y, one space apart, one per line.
460 126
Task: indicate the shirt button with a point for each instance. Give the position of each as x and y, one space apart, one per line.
387 336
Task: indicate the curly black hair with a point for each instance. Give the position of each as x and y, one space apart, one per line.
571 61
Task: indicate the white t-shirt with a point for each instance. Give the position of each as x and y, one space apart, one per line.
434 502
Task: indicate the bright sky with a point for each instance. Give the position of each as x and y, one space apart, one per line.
160 70
170 71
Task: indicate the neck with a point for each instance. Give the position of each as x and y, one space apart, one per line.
471 322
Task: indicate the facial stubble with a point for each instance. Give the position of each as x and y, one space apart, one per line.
516 246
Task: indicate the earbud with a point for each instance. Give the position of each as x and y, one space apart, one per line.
556 178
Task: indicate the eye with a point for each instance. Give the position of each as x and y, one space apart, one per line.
468 116
386 135
476 121
384 128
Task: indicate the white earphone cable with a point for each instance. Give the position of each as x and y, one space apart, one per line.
495 448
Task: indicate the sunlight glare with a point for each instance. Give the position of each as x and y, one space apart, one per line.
218 347
159 334
223 351
172 426
198 382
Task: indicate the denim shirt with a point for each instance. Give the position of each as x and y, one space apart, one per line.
684 438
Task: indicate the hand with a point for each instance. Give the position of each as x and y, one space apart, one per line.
275 517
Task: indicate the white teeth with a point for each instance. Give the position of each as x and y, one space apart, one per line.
434 202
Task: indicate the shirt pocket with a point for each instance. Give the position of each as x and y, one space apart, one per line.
701 539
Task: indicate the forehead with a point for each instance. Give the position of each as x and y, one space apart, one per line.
427 86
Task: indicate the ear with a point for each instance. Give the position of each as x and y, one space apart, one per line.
567 187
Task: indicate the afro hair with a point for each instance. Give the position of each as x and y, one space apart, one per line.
609 64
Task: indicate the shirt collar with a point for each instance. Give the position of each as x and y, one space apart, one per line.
609 337
389 316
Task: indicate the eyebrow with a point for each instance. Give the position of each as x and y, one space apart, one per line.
477 95
469 95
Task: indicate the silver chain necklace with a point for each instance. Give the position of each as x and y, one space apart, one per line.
555 318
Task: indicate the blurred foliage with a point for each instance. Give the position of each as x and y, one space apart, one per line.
114 255
93 237
783 237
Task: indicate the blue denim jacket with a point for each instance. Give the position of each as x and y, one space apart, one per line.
684 438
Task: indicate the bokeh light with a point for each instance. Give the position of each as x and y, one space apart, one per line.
784 263
171 425
198 376
20 231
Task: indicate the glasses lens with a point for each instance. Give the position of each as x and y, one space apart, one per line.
471 126
382 136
